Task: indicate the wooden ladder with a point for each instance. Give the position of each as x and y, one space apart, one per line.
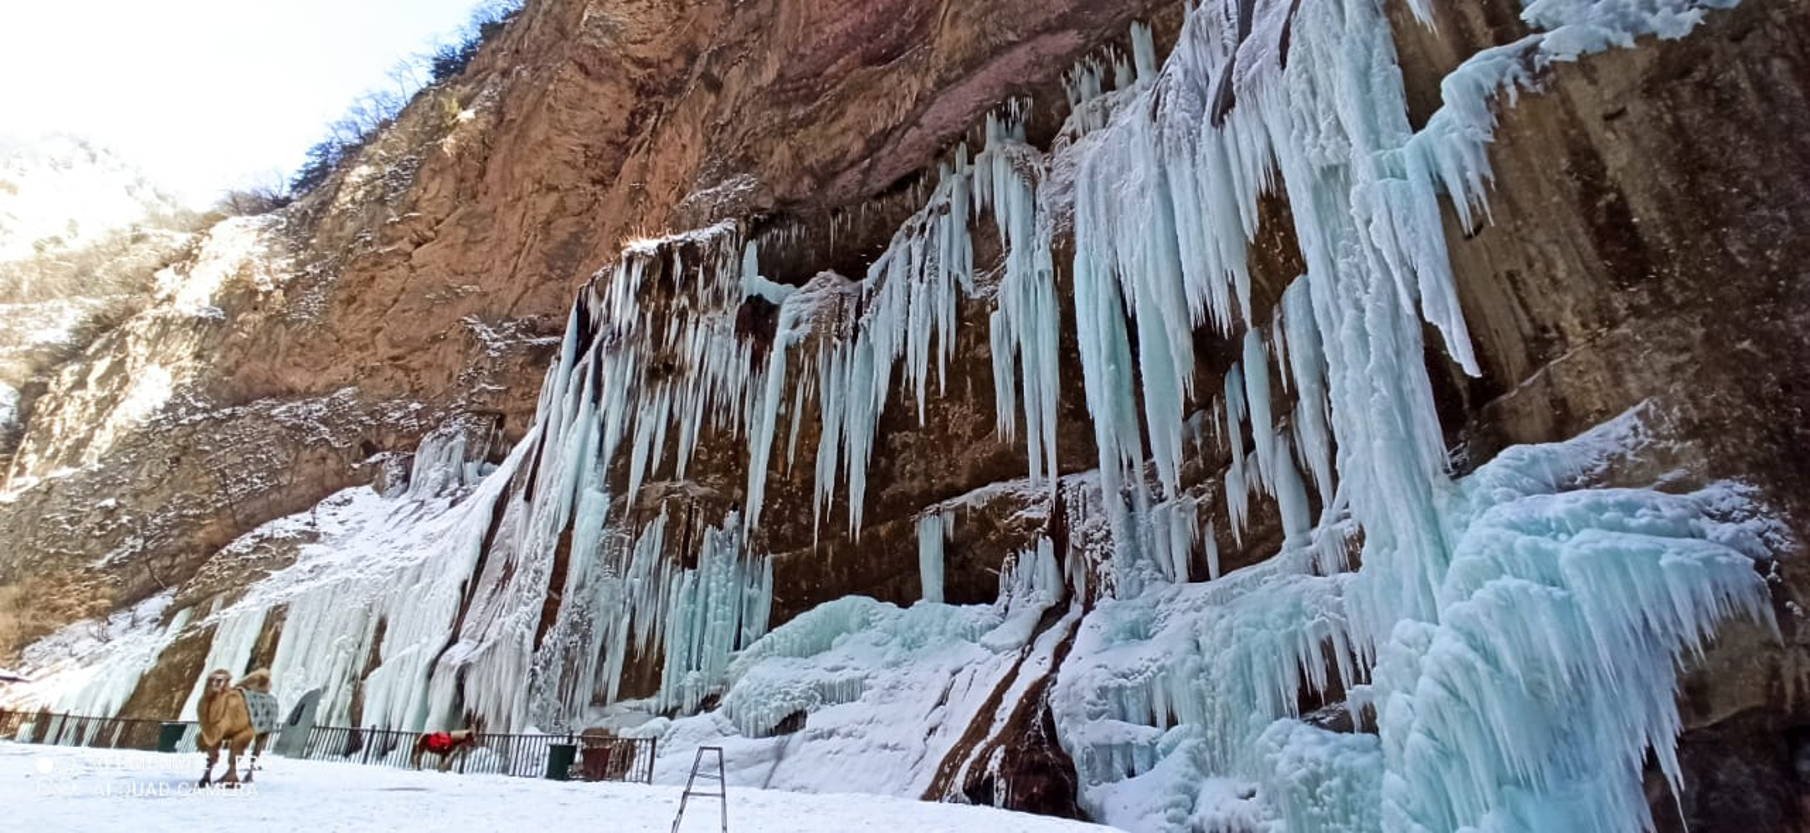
722 786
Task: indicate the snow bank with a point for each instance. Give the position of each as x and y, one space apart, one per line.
57 788
876 695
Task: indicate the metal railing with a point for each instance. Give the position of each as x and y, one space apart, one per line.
616 759
527 756
96 732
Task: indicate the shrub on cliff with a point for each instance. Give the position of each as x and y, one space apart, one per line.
260 197
486 20
377 109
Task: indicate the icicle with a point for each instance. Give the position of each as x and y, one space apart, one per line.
1469 611
1257 399
772 387
911 293
1291 496
1173 524
1107 368
1238 491
1025 324
1212 546
1308 368
935 529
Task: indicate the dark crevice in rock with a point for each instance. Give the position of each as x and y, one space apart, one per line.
163 689
968 751
373 659
757 322
556 587
1747 774
1026 769
264 651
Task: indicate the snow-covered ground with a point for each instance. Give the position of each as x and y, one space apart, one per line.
60 788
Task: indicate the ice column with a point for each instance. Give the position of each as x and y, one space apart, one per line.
935 528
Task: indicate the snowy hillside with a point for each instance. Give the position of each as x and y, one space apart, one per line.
61 192
81 232
53 788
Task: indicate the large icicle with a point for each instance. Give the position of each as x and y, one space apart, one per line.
1477 610
911 293
935 528
1026 320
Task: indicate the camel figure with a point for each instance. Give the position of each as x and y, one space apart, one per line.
237 716
449 746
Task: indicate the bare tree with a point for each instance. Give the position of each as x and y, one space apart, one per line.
379 108
262 194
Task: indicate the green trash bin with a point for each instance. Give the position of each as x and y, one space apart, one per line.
559 761
169 735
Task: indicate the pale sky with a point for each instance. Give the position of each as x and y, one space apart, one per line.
203 94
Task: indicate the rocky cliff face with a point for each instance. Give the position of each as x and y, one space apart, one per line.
433 274
712 454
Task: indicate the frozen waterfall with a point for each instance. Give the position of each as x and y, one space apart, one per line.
1506 649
